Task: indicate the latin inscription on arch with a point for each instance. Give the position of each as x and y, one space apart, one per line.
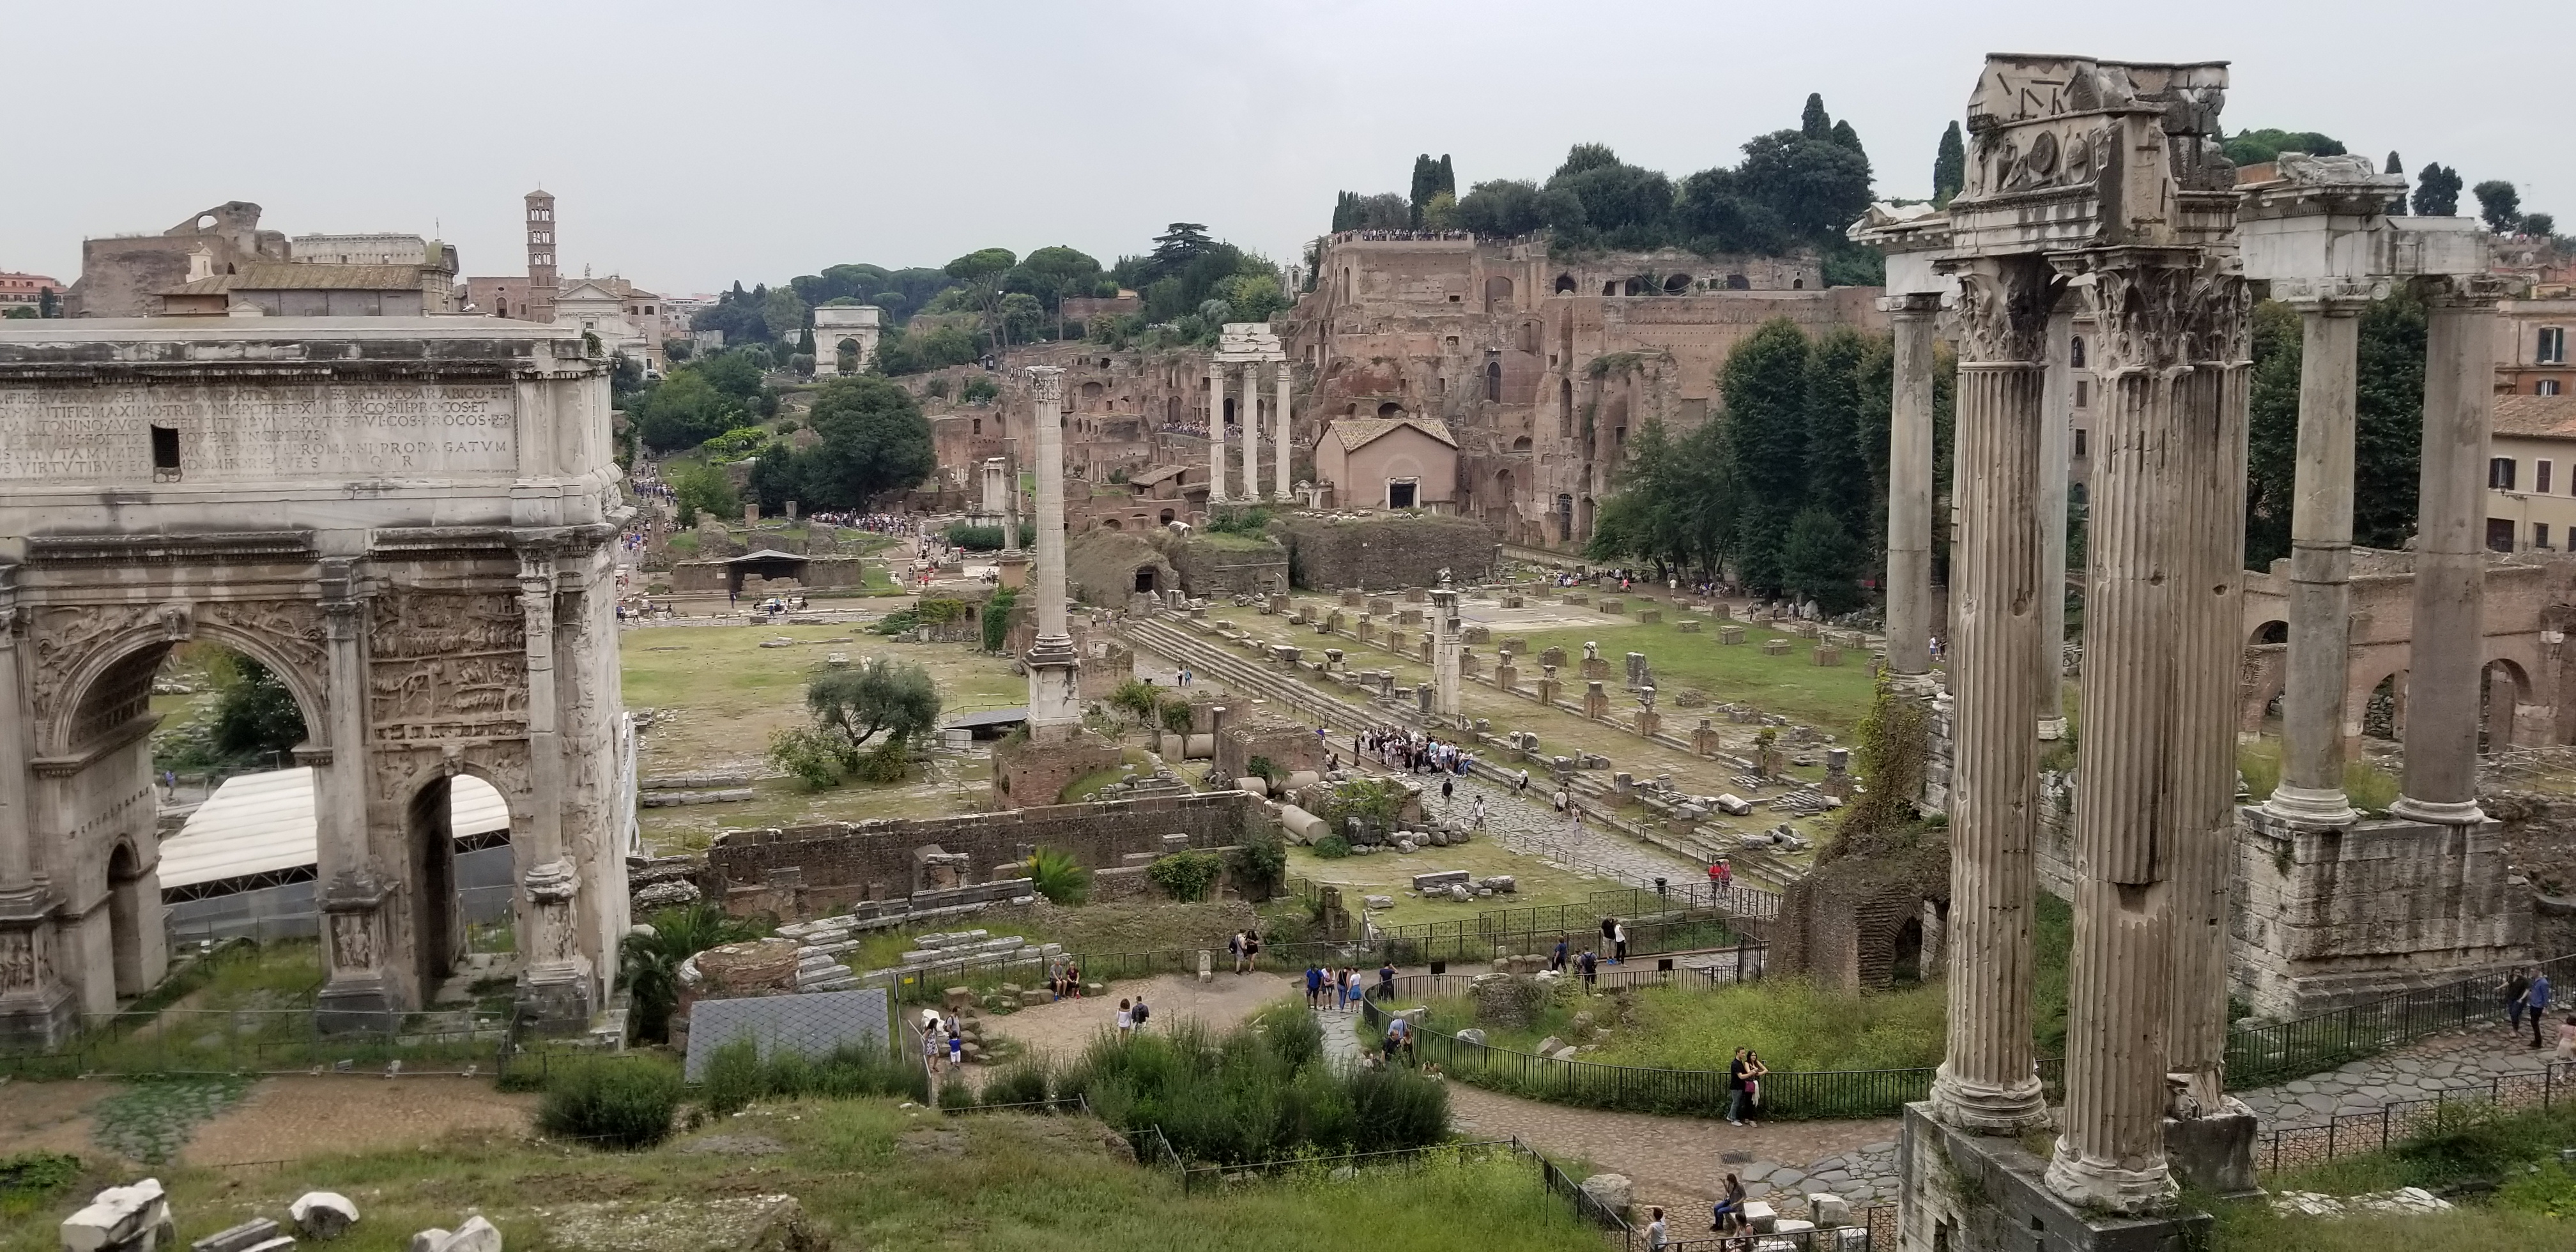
230 431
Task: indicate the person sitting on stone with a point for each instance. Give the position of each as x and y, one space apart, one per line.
1729 1212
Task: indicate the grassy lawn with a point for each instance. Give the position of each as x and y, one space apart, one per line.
2533 1204
868 1174
1391 874
1827 697
719 695
2371 788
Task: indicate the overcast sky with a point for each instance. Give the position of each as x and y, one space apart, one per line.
692 145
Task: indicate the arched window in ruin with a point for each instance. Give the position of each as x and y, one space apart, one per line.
845 355
2383 711
1797 284
1493 380
1111 523
1528 341
1498 290
1610 288
1390 409
1640 286
1091 397
2274 631
1738 282
1676 284
2504 687
1565 284
2075 352
1172 411
1521 444
1564 517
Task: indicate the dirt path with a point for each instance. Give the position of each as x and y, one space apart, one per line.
307 1115
1675 1161
1059 1031
49 1116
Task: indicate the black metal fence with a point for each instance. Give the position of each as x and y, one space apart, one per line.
2297 1147
2260 1055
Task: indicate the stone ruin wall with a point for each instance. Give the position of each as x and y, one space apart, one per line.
843 863
1388 552
1209 569
822 573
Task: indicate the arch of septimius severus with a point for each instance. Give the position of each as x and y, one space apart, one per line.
2100 186
411 522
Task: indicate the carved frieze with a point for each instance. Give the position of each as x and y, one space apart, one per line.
64 637
2155 314
446 666
2002 314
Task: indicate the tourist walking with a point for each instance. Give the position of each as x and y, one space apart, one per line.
1618 942
1234 949
1522 783
2536 1002
1655 1232
1126 1020
1735 1098
1447 795
2517 984
1591 969
1386 981
2566 1040
1314 984
1137 1021
1480 812
1557 962
931 1050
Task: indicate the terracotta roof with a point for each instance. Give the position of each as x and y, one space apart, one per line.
1358 432
2536 417
288 276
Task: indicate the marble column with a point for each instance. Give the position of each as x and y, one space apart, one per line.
1447 638
2056 423
1248 385
1279 377
2144 717
1055 704
1010 504
2311 790
2442 681
1986 1082
2209 644
360 983
1909 493
1216 434
555 982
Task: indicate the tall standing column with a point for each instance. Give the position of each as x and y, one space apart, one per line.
2130 827
1055 705
2311 791
1909 493
1010 504
1986 1082
1446 639
36 1009
2056 420
2442 694
1279 416
556 981
361 984
2209 608
1216 434
1247 385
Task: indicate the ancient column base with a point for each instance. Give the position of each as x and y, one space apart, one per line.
355 1006
37 1010
2441 812
1965 1192
2052 729
1984 1110
555 990
554 999
2331 917
2321 807
1055 691
2103 1187
2213 1154
362 995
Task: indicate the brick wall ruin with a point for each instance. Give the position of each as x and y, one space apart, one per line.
1382 552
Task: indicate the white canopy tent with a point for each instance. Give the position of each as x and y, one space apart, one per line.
258 825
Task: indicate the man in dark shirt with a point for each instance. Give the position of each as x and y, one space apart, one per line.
1386 981
1589 968
1735 1089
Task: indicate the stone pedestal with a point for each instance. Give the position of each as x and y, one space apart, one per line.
2213 1154
2327 917
37 1011
1704 738
1506 676
1730 634
1648 722
1596 668
1549 688
1596 701
1977 1193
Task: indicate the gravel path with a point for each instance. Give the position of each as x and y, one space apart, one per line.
2466 1061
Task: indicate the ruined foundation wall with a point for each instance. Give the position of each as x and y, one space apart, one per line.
1380 553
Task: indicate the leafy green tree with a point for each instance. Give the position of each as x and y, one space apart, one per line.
1815 187
1838 470
982 266
1585 156
651 956
1821 561
1764 382
1430 178
697 488
1178 245
783 313
255 715
48 304
886 696
1813 122
1712 213
1501 208
685 410
2254 147
2437 191
2389 417
1949 167
1847 137
20 313
1441 213
1626 204
2539 225
1052 273
871 441
1346 211
2499 204
735 374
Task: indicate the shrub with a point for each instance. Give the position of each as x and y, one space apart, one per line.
1137 698
997 618
1259 862
900 622
1261 767
936 388
1023 1083
1058 877
802 753
1176 716
980 390
625 1103
974 538
884 763
1185 876
734 1078
28 1179
1332 847
649 963
954 1093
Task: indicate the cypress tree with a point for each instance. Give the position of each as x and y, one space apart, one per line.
1448 176
1813 123
2396 207
1950 167
2437 191
1845 136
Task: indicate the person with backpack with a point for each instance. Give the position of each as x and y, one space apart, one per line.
1314 985
1137 1022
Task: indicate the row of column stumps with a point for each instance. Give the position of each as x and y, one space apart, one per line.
1248 388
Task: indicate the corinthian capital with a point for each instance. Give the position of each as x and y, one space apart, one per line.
2002 315
2157 308
1046 384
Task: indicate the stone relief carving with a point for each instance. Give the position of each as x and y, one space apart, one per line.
22 960
64 636
294 628
2332 171
353 940
448 666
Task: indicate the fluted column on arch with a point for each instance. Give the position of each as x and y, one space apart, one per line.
1986 1081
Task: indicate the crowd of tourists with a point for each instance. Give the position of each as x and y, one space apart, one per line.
1411 751
2526 995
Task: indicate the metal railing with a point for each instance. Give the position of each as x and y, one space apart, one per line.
2261 1055
2297 1147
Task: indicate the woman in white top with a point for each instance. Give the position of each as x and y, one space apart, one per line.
1126 1019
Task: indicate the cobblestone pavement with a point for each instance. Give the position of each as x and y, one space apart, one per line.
2464 1061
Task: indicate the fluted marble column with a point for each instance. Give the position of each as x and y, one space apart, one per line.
2056 423
2311 790
2442 698
1216 434
1055 704
2110 1154
1279 416
1986 1082
1909 493
1248 385
1446 639
2210 617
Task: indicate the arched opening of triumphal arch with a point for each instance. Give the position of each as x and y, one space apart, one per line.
411 524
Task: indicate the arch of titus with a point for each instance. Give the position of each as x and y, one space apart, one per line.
2100 185
411 522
